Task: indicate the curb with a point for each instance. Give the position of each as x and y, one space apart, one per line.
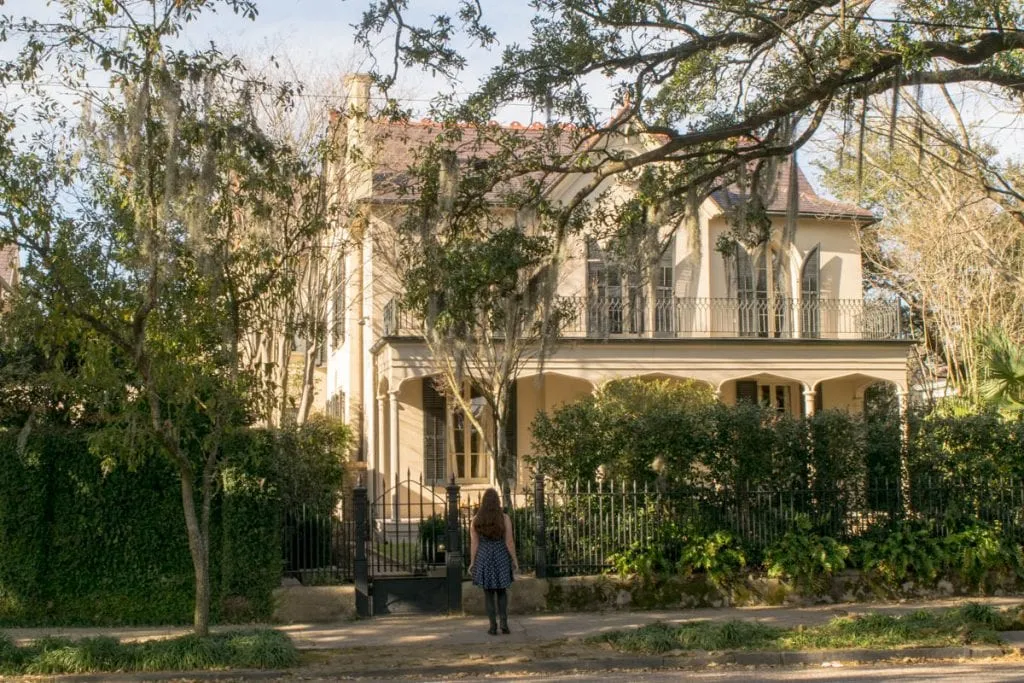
602 664
670 663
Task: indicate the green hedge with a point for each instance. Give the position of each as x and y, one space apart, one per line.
80 545
84 547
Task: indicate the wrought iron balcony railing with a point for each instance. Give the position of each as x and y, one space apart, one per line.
684 318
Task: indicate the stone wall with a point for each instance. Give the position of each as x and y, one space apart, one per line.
302 604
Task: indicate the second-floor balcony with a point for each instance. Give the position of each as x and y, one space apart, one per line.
689 318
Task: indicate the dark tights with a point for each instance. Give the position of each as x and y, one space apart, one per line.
496 598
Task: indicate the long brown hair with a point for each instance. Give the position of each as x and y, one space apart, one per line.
490 520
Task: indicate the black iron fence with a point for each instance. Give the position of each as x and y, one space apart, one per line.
585 525
573 530
317 547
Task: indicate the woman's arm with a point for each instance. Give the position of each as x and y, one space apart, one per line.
510 542
474 541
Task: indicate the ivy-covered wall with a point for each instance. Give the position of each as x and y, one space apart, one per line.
81 545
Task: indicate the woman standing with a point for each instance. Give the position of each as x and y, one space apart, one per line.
492 555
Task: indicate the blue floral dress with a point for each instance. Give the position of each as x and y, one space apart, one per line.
492 567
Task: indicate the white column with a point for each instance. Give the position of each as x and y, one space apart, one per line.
393 447
380 472
809 396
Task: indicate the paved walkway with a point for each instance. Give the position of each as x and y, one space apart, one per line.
534 628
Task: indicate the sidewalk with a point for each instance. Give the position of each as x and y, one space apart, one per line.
448 632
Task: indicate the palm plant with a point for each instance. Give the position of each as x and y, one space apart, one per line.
1002 382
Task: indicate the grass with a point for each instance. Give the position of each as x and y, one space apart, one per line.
259 649
970 623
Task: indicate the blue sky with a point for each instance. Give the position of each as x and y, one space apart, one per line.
318 34
316 37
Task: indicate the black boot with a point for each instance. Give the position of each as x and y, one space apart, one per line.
503 610
489 599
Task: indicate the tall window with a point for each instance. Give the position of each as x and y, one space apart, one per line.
748 296
435 440
810 295
604 293
763 309
664 285
469 459
776 396
617 301
338 303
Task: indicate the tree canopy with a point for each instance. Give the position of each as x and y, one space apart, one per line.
719 85
152 224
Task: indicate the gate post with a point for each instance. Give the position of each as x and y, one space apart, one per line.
453 549
360 503
540 539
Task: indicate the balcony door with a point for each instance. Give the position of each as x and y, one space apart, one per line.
762 307
810 295
615 301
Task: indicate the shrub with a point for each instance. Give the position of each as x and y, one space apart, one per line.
718 555
805 558
837 458
976 552
90 540
656 555
625 427
902 552
433 534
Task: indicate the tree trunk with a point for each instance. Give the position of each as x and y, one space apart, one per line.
198 546
284 350
503 461
308 377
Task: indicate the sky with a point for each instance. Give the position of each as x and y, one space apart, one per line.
318 35
315 39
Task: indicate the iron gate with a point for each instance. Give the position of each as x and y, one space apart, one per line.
408 550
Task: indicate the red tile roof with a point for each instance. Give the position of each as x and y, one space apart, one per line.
810 203
395 146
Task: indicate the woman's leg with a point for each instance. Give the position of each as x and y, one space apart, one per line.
503 608
489 600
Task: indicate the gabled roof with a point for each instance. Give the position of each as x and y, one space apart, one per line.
811 204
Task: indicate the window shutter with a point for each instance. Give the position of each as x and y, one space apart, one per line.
338 303
746 390
819 398
435 469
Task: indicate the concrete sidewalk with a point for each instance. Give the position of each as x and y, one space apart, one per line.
425 631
